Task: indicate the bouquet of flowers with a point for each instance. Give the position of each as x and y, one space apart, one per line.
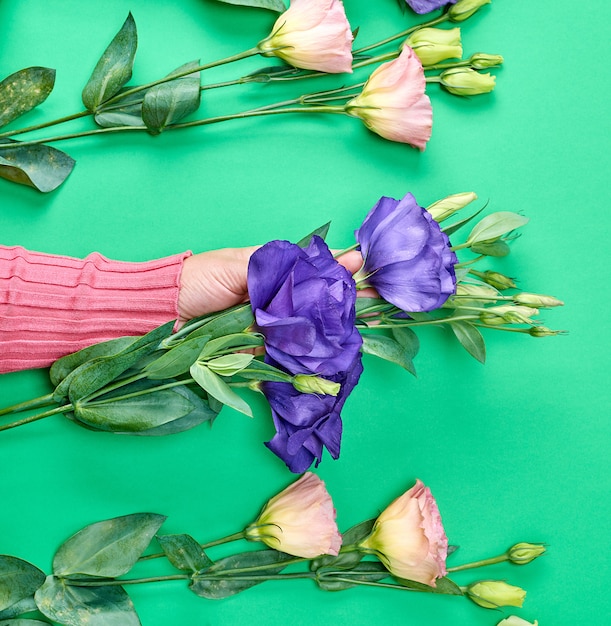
404 548
300 339
311 38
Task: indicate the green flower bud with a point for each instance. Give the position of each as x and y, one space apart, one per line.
492 594
523 553
514 620
433 45
464 81
542 331
535 299
307 383
472 295
508 314
482 61
464 9
495 279
446 207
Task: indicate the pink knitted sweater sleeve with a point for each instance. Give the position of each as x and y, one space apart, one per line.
52 305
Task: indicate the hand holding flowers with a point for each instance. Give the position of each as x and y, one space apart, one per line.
405 548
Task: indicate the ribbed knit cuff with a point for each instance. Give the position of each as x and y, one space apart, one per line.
53 305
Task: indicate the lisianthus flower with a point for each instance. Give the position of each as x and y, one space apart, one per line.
408 537
393 104
307 423
426 6
407 258
434 45
303 304
300 520
313 35
492 594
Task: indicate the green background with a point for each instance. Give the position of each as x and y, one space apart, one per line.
516 450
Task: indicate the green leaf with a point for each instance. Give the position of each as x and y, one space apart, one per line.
22 91
229 364
27 605
108 548
470 339
235 320
170 102
206 585
184 553
177 360
85 606
371 305
345 560
272 5
407 339
23 621
388 349
491 248
258 370
18 580
94 374
126 112
443 586
39 166
321 232
241 341
496 225
366 571
114 68
452 228
214 385
142 412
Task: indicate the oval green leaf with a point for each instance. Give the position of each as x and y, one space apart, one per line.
215 386
126 112
18 580
184 553
496 225
85 606
108 548
177 360
39 166
230 364
470 339
22 91
388 349
272 5
23 621
114 68
170 102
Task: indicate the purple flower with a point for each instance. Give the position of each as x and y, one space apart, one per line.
426 6
303 303
305 423
407 258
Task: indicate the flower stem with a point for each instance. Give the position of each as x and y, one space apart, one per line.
29 404
481 563
73 582
60 120
205 546
38 416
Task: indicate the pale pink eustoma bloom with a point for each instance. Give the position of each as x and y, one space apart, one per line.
300 520
393 103
408 537
312 35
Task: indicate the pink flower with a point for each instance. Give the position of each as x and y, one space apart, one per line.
393 103
409 539
313 35
300 520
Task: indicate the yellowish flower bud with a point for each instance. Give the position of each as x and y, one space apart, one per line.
482 61
514 620
464 81
542 331
508 314
433 45
538 300
446 207
496 279
306 383
523 553
492 594
469 294
464 9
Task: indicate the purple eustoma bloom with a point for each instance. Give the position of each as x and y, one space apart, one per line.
407 258
303 303
426 6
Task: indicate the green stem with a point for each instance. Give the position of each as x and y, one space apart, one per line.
142 392
471 262
128 581
38 416
445 320
29 404
481 563
60 120
205 546
346 250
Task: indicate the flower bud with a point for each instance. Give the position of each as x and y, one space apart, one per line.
542 331
308 383
444 208
482 61
464 81
433 45
492 594
473 295
514 620
495 279
300 520
508 314
523 553
538 300
464 9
